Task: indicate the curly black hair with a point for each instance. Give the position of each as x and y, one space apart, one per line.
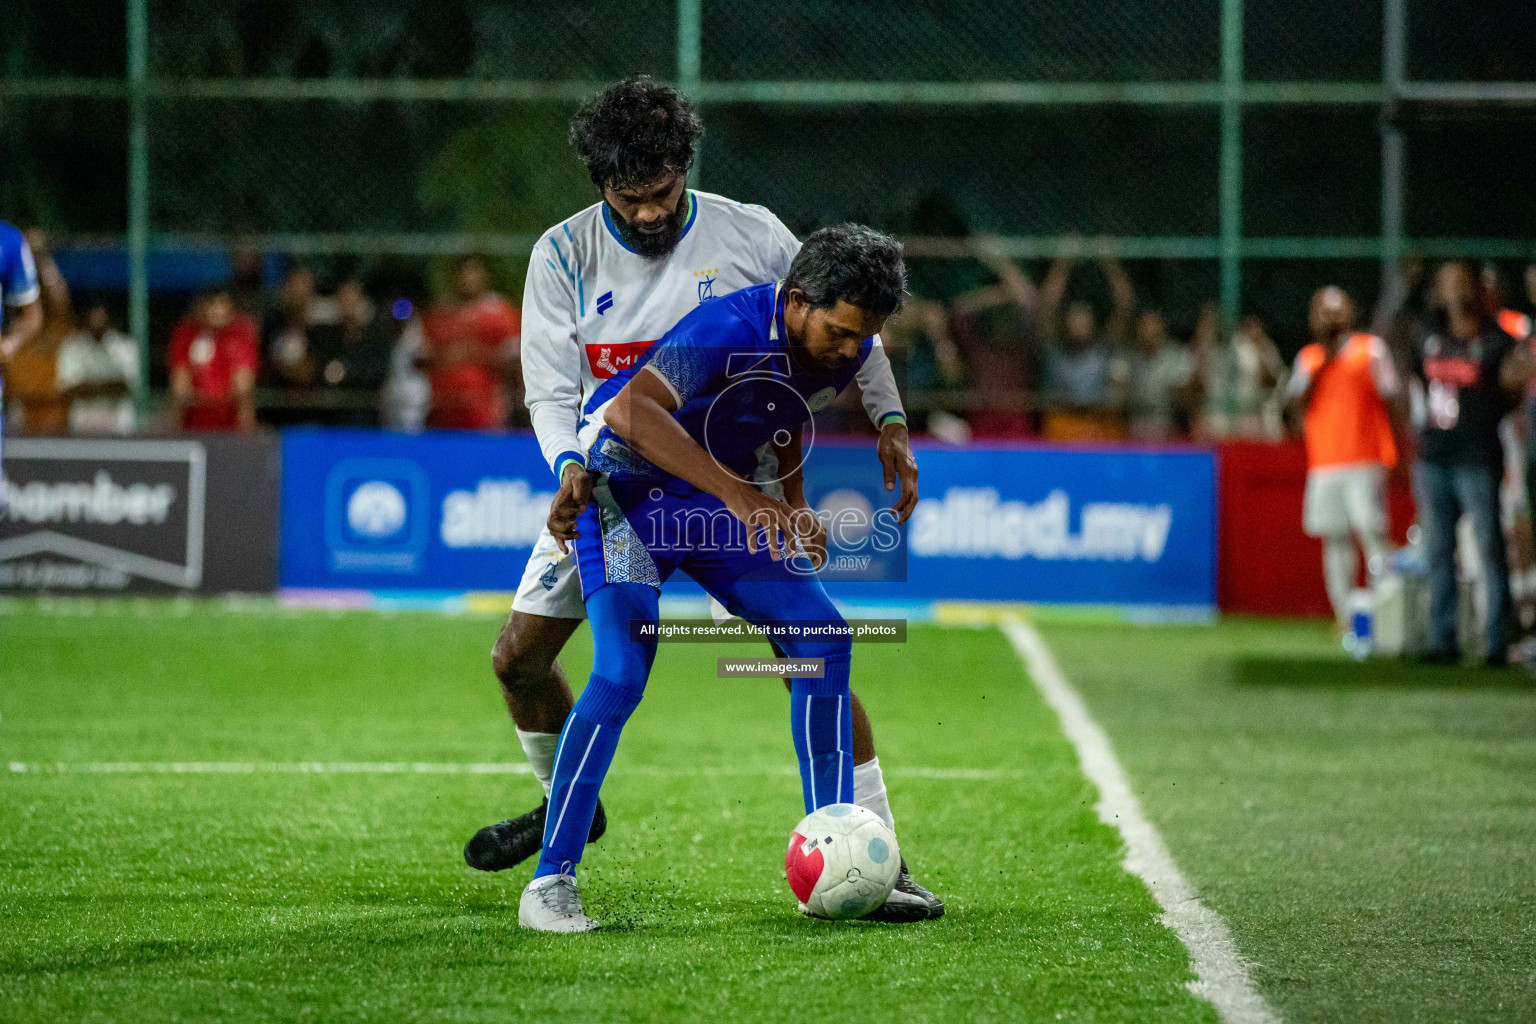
634 131
852 263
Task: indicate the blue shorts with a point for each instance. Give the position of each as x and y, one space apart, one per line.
644 529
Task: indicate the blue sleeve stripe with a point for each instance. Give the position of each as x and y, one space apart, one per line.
581 297
572 276
564 459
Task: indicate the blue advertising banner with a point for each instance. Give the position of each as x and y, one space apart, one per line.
1037 525
378 511
375 511
1047 525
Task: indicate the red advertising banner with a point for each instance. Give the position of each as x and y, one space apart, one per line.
1265 564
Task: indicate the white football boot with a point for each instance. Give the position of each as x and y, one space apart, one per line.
553 904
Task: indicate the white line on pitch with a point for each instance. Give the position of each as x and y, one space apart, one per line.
440 768
1221 973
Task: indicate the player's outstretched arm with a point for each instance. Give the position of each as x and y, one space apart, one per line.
895 452
882 401
641 414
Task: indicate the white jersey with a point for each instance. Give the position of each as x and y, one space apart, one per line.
592 306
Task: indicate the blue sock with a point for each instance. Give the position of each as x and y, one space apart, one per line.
591 734
821 718
587 745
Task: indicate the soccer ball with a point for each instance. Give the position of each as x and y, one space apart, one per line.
842 861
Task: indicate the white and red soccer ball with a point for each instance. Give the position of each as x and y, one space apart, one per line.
842 861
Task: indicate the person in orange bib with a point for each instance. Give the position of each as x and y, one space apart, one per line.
1344 384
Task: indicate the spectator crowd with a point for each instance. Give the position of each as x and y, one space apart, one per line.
237 358
1073 353
1433 384
1014 357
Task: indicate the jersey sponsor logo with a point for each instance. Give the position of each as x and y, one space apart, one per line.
604 303
821 399
611 360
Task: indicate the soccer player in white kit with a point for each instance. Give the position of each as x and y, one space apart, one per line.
602 287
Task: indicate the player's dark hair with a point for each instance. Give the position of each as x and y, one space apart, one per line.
851 263
635 131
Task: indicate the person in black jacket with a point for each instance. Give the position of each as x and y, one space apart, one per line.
1471 374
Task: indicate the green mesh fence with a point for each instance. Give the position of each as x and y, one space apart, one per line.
964 40
399 127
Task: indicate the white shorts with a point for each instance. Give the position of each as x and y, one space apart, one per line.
1344 499
550 585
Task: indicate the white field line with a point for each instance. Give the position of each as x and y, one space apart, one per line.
441 768
1220 971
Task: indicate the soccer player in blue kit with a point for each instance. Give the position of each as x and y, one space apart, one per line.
20 293
674 442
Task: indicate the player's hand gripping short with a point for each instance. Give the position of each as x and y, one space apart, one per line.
762 513
895 452
811 533
570 502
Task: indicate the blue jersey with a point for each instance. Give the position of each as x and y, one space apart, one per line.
18 277
737 384
18 274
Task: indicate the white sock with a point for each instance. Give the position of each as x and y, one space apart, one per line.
540 748
869 790
1339 567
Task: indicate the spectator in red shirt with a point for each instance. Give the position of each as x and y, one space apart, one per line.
213 366
471 353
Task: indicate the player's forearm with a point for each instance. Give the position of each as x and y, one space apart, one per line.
877 387
554 424
656 436
551 367
792 455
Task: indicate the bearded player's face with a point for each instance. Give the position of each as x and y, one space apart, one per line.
830 337
650 216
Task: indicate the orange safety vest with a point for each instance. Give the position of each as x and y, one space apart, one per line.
1346 422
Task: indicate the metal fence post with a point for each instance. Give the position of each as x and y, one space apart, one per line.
138 190
1393 149
1231 160
690 28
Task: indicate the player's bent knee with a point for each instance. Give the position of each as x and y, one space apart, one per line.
521 666
523 656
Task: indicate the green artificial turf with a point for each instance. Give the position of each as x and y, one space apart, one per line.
137 896
1367 830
